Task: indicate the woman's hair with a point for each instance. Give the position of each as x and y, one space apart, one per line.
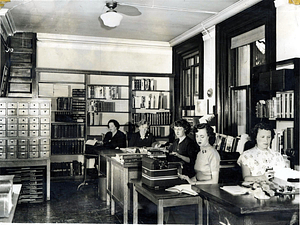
262 126
142 122
209 130
182 123
116 123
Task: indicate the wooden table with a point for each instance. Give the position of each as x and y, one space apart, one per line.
6 163
164 199
118 185
16 193
244 209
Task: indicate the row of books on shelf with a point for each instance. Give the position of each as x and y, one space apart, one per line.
226 143
67 103
70 117
67 147
107 92
143 84
283 140
67 130
151 101
280 106
78 93
64 169
101 106
158 131
157 118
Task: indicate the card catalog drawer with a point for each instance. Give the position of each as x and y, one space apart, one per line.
34 141
11 148
45 120
45 154
2 127
2 155
45 105
44 126
2 105
11 112
34 120
2 133
45 132
12 126
2 120
45 147
33 148
12 133
45 112
12 105
12 120
22 155
23 133
23 112
23 105
12 142
2 141
22 148
2 112
11 155
23 127
33 154
34 105
34 133
22 142
23 120
33 112
33 127
2 148
45 141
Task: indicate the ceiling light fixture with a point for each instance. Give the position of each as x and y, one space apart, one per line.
111 18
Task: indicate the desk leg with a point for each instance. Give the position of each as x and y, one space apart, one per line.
112 201
206 205
126 196
108 179
160 212
200 211
135 206
48 179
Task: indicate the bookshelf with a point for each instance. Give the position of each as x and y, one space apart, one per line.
151 99
107 98
67 92
275 92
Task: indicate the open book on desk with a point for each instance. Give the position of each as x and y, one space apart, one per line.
182 188
235 190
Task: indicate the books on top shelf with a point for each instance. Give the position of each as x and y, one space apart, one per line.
105 92
182 188
280 106
143 84
226 143
150 101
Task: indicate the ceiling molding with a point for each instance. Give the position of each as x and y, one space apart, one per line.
8 23
213 20
99 40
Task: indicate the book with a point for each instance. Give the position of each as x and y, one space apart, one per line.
235 190
182 188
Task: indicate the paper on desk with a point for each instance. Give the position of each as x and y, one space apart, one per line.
91 142
235 190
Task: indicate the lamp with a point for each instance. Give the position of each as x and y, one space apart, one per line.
111 18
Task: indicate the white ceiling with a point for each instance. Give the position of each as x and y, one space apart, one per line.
160 20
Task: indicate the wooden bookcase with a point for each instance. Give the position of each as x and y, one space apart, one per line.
275 98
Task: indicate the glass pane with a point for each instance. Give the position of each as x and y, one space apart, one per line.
259 52
196 83
240 101
243 66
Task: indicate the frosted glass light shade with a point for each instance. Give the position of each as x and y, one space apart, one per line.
111 18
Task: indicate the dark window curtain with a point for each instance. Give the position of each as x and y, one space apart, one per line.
191 45
260 14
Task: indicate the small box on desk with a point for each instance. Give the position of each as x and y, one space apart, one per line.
6 194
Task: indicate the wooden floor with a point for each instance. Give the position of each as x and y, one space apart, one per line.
67 205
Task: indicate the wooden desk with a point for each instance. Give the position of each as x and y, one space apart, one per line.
5 163
119 186
16 193
163 199
244 209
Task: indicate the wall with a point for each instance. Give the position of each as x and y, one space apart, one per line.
288 30
102 54
210 65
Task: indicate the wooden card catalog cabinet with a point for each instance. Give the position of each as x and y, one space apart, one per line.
25 128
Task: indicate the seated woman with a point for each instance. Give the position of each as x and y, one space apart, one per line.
259 162
184 148
114 138
142 138
207 164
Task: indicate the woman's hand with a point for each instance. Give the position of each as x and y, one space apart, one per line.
184 177
269 175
